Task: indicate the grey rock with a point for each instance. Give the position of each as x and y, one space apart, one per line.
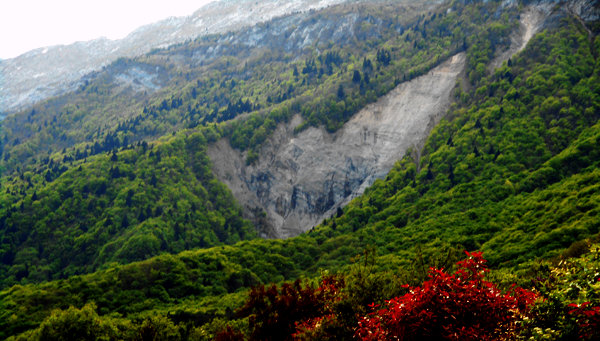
301 179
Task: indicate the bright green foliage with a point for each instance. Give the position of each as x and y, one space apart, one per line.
121 207
194 85
511 171
85 324
571 282
162 281
74 324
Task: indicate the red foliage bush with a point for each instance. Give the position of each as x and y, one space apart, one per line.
588 320
289 312
459 306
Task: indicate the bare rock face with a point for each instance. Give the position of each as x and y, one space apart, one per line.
301 179
531 21
586 10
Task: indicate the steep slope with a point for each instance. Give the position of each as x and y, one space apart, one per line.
50 71
299 179
219 77
513 170
72 217
302 178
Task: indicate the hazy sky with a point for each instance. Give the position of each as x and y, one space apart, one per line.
29 24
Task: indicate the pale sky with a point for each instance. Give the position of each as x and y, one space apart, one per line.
29 24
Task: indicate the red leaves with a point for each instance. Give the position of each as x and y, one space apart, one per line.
459 306
275 314
588 320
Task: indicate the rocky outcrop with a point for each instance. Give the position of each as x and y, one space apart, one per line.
300 179
530 23
586 10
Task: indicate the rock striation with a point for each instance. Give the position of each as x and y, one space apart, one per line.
301 179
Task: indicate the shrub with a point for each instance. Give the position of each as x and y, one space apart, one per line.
459 306
588 320
274 313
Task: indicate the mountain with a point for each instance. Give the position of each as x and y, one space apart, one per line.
119 112
54 70
302 178
207 80
376 139
42 178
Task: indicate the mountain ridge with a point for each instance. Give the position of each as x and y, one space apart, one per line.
54 70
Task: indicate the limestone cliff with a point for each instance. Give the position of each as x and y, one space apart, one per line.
301 179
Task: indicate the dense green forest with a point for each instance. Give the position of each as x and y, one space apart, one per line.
513 171
115 207
118 198
276 77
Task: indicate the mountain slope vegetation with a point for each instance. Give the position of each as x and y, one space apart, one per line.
115 207
115 198
513 171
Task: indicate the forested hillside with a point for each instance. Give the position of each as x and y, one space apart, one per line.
289 65
512 170
73 217
113 197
